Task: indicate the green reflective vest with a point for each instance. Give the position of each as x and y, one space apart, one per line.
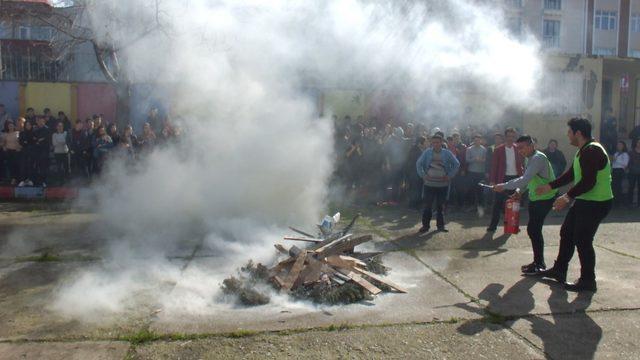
601 191
539 181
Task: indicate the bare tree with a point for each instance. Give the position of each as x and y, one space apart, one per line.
76 25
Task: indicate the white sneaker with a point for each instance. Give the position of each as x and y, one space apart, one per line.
21 184
29 183
44 185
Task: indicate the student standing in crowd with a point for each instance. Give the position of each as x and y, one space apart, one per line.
112 131
49 120
30 115
476 157
27 161
538 172
414 181
436 166
591 176
42 145
556 157
80 149
60 143
101 147
619 167
506 165
634 173
11 146
66 123
148 140
4 116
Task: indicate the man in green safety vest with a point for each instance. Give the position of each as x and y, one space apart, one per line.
591 176
538 172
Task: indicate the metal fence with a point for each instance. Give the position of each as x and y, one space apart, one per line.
28 67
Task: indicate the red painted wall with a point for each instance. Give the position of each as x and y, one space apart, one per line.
96 99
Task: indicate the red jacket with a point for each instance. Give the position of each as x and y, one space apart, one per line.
499 164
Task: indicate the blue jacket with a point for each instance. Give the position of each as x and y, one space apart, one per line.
451 164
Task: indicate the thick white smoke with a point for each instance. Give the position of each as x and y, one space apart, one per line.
255 157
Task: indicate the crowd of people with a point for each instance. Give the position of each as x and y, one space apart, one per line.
40 149
378 163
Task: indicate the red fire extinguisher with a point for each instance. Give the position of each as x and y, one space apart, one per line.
512 216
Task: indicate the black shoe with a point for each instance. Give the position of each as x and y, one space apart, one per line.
553 273
582 285
423 230
442 229
532 269
491 229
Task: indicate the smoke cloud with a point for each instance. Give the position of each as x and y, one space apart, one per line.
255 156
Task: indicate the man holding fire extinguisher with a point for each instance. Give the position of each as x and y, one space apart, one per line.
593 199
538 172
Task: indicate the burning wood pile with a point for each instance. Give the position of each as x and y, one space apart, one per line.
328 270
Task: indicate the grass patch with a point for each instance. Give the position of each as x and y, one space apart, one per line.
242 333
142 336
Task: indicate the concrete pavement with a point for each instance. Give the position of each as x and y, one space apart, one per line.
466 298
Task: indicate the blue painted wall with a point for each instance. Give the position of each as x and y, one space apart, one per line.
9 96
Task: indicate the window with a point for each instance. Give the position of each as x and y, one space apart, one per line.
24 33
634 53
5 30
606 20
43 33
635 23
604 51
552 4
514 3
515 26
551 33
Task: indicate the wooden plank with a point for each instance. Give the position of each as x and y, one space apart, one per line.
328 243
379 279
339 247
343 261
348 227
281 249
301 232
311 240
280 266
361 281
278 281
314 270
367 255
337 280
295 271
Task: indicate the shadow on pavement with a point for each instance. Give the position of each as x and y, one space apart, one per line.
485 243
564 334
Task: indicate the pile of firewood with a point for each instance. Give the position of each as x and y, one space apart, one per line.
328 270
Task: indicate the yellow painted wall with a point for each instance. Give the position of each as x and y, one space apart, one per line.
345 102
55 96
553 125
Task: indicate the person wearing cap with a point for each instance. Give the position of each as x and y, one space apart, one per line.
538 171
592 199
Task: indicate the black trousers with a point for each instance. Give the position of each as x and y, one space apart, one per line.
41 167
538 211
13 164
62 165
634 180
577 232
498 204
617 175
439 194
476 190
